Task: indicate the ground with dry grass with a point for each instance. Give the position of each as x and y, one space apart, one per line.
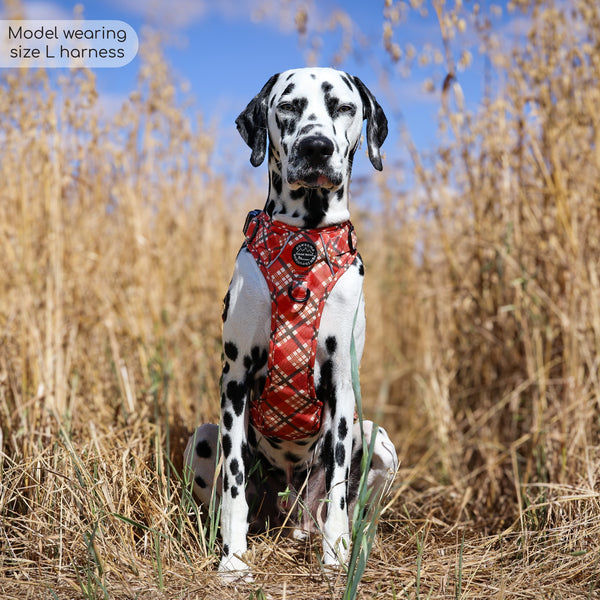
482 357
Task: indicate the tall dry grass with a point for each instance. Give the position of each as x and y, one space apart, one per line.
117 239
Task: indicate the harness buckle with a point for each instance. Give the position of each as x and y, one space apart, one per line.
250 217
351 237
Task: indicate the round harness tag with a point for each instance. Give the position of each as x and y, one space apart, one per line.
304 254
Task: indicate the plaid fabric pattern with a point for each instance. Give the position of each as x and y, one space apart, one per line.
301 267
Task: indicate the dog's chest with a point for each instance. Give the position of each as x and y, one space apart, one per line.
289 455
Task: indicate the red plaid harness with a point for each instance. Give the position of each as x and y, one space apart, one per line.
301 266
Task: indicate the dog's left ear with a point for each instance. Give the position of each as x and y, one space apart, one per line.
377 125
252 123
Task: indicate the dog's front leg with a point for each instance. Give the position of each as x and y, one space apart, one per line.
342 321
245 340
337 449
234 507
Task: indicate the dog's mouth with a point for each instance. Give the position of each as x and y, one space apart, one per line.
314 179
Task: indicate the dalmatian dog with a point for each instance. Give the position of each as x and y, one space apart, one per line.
309 121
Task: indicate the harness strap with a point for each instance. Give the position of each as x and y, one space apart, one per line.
301 267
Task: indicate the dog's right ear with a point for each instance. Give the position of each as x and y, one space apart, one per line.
252 123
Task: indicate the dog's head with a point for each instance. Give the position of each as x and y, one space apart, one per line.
313 118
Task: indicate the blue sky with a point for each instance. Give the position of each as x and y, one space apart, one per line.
225 53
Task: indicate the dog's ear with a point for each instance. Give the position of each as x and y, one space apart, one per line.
252 123
377 125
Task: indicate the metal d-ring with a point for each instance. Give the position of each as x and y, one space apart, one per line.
294 286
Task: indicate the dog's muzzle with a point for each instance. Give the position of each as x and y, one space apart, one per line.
310 165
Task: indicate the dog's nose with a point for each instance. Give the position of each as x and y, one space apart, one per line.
315 148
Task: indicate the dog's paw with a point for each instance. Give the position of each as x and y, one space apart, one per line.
233 569
336 555
300 535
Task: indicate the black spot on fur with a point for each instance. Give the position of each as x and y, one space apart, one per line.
343 503
340 193
234 466
257 360
231 351
226 301
236 392
331 344
239 478
270 207
225 549
343 428
260 357
312 117
361 266
203 449
306 129
325 389
226 445
288 124
225 482
340 454
227 420
200 482
291 457
331 102
289 89
274 443
316 205
347 82
300 105
226 368
234 491
327 458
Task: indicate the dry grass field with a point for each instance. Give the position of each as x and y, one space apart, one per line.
117 240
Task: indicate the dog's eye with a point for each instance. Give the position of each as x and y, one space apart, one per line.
286 107
345 108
